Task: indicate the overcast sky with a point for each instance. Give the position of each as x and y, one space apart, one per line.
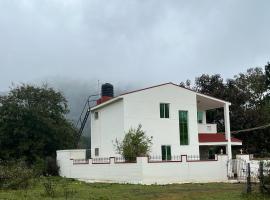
130 41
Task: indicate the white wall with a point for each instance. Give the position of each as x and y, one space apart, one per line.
143 108
144 172
186 171
108 127
64 157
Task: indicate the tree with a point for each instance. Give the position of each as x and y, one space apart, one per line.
267 74
134 144
33 124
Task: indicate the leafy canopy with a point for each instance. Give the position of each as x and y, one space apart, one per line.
33 124
134 144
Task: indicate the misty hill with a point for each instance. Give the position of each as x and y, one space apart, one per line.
77 92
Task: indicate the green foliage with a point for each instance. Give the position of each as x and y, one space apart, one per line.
49 187
51 167
33 124
46 167
267 74
15 175
267 177
134 144
68 191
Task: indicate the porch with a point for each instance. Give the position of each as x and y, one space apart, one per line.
210 141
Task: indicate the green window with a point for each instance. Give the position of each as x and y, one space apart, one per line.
164 110
166 152
183 127
200 117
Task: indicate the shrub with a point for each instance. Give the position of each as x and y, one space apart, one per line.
68 192
15 175
264 177
49 187
267 178
46 167
134 144
51 167
39 167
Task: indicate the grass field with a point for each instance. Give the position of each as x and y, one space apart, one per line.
60 188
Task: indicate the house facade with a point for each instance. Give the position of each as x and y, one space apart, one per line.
174 116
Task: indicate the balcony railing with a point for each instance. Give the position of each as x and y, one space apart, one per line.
207 128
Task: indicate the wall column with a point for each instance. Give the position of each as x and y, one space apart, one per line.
227 130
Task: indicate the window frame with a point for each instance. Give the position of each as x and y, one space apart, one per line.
96 151
168 153
183 127
164 110
96 115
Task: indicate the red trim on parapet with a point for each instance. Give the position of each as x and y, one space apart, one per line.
103 99
219 137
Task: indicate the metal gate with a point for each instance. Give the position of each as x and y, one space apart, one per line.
237 169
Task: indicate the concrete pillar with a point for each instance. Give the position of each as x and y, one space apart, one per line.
227 130
204 117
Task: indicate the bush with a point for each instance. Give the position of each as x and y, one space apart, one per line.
15 175
46 167
267 178
135 144
264 177
49 187
51 167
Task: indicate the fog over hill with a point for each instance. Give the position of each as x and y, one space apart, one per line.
77 92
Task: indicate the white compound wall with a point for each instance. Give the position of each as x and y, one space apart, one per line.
143 171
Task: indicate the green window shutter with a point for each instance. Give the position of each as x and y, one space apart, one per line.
166 152
169 156
183 127
167 110
161 109
163 152
164 110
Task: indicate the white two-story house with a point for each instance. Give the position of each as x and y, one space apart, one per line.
174 116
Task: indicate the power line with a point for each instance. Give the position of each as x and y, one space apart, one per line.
251 129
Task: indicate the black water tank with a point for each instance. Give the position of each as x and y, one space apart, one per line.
107 90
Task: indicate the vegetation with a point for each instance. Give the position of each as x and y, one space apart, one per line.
60 188
264 177
33 125
134 144
15 175
249 94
